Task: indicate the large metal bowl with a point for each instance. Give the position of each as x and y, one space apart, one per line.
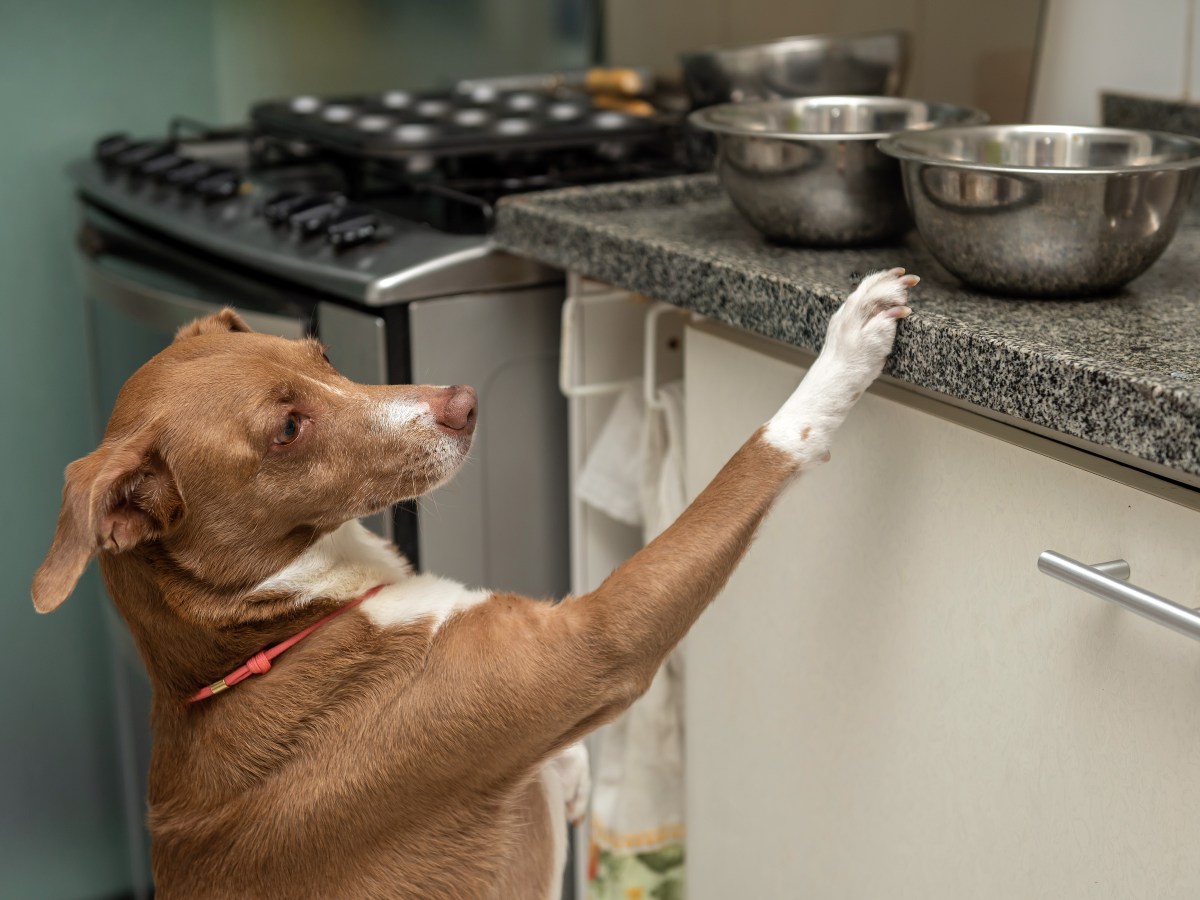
808 171
806 66
1042 210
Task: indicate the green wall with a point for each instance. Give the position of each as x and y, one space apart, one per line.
268 48
68 72
71 70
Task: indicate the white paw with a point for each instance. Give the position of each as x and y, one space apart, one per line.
858 341
571 766
862 331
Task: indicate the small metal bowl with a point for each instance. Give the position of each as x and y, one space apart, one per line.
472 117
374 122
415 133
1045 210
305 105
805 66
433 109
338 113
397 99
808 171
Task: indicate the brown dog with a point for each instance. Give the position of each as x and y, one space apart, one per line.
401 750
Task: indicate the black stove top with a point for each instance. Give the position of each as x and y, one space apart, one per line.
322 189
457 194
470 119
376 228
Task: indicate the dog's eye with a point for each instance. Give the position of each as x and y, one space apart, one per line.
290 430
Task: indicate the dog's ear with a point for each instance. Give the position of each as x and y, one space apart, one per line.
115 498
224 321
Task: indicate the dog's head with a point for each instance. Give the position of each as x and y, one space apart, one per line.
233 450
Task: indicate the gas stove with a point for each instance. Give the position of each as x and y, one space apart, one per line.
375 218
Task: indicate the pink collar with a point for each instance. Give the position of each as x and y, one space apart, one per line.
260 662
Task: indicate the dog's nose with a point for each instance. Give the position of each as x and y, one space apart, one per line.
458 410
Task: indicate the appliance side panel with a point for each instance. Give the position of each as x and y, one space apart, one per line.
355 343
502 522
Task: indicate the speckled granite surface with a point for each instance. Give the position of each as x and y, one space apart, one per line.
1132 111
1120 372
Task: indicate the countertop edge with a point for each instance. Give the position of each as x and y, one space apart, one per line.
1076 399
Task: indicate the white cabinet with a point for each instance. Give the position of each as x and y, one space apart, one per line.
889 700
604 349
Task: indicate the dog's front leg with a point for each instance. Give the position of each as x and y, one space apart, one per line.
532 677
647 605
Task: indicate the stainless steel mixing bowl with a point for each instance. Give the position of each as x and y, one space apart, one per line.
808 171
1041 210
806 66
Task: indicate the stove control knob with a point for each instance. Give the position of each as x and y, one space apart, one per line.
162 168
184 176
133 156
156 165
279 206
355 225
313 215
220 184
108 147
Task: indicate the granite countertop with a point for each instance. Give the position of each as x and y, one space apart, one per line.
1121 373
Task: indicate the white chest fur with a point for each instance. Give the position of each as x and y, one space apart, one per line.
351 560
420 598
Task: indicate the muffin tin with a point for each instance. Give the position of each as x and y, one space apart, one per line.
399 124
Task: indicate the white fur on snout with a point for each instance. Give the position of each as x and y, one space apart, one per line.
396 414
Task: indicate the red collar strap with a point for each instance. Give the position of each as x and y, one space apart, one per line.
260 662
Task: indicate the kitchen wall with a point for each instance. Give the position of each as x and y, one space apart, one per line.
271 48
69 71
976 53
1150 48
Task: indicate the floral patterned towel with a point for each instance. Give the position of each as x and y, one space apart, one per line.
632 875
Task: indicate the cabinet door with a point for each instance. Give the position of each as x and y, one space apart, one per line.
890 701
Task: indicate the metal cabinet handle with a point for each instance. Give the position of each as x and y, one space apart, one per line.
1107 581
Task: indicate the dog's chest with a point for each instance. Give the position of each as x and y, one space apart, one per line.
351 561
420 598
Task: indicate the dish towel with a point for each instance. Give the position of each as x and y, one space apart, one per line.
637 825
611 478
